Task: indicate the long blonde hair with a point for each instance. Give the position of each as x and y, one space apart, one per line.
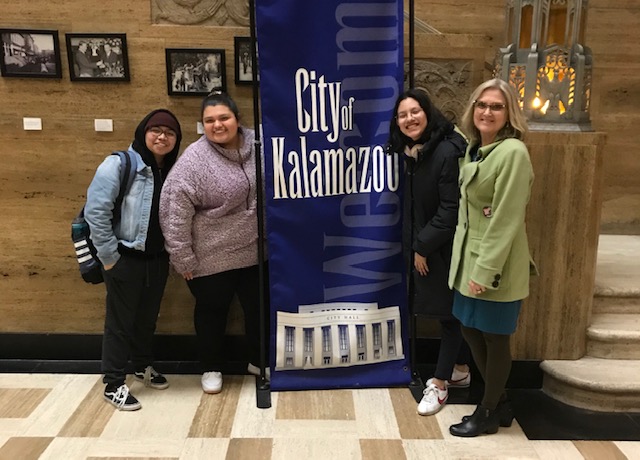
516 122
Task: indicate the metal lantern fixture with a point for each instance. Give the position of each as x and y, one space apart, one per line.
547 62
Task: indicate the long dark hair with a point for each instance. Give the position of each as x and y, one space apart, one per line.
436 122
219 98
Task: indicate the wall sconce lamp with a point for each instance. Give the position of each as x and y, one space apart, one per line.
547 63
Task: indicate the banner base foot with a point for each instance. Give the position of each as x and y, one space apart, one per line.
263 393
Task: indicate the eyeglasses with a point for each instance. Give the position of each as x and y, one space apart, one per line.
495 107
413 112
168 133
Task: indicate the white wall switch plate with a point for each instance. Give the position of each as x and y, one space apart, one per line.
32 124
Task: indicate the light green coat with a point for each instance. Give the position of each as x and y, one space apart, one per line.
490 245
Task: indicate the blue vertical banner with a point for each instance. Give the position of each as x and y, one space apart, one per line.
330 72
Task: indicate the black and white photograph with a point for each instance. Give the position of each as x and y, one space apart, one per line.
101 57
30 53
195 72
243 64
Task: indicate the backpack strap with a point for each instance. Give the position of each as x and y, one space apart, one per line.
127 175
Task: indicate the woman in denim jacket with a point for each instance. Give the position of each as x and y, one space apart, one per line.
135 264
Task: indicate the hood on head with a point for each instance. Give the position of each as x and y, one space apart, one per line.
140 145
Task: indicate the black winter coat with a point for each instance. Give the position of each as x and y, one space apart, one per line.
430 216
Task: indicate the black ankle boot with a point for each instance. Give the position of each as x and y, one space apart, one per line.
482 421
505 412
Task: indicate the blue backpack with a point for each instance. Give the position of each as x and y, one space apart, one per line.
86 254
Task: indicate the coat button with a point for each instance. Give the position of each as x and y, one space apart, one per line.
497 277
495 284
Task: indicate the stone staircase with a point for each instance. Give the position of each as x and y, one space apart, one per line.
607 378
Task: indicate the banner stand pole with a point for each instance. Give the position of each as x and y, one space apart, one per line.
416 386
263 388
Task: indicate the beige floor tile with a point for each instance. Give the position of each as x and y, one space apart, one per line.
24 448
165 414
315 405
20 402
375 417
382 449
61 402
452 414
68 449
421 449
310 429
149 447
132 458
91 415
410 424
204 448
31 380
315 449
597 450
367 424
250 421
630 448
254 449
556 450
13 426
491 447
215 414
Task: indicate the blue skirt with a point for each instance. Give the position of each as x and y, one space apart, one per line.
486 315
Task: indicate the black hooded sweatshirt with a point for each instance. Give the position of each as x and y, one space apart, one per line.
155 240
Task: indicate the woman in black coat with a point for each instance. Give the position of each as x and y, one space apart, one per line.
431 147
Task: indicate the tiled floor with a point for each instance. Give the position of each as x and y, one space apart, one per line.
63 416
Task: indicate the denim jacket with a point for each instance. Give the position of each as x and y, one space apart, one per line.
131 231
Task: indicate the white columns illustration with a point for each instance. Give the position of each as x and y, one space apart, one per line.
338 334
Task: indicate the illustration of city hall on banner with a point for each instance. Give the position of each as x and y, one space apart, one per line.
337 334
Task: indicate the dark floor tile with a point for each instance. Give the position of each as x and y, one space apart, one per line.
543 418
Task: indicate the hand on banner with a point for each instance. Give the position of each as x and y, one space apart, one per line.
420 263
188 275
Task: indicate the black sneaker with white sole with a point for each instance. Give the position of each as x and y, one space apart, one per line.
152 378
121 398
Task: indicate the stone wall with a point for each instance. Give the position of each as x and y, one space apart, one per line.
44 174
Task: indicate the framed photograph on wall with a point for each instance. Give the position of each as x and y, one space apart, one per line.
30 53
97 57
195 72
242 60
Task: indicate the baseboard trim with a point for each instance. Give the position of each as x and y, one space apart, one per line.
176 354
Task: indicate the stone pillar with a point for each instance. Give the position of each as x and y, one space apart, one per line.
563 224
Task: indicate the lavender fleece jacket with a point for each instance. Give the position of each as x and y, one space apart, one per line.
208 208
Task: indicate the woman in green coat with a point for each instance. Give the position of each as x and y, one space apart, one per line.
490 266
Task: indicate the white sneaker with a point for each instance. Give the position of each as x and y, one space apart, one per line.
212 382
121 398
433 400
255 370
458 380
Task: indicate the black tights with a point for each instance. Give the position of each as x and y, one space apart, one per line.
492 354
453 349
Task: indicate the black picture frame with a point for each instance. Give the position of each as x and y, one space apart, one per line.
195 71
30 53
242 60
104 57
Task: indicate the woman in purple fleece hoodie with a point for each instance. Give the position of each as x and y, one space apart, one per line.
208 213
